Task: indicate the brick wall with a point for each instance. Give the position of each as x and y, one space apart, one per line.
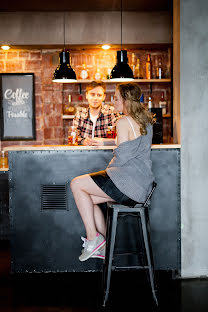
50 97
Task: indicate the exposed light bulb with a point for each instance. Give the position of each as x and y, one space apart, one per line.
105 47
5 47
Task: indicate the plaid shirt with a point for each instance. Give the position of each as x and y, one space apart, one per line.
107 117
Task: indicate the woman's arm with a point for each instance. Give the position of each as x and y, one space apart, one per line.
122 130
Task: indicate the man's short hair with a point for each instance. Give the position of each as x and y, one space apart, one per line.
95 84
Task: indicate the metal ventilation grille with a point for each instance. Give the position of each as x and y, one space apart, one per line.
53 197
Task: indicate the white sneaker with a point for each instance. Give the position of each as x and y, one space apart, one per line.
100 254
91 246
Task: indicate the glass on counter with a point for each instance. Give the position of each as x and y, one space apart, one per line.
3 159
72 136
111 132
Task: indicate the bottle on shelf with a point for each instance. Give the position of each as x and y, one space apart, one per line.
154 67
163 104
3 160
80 99
167 70
108 73
98 74
149 102
72 136
84 72
148 67
137 69
69 108
159 70
133 65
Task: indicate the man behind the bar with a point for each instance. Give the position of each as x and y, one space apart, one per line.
92 122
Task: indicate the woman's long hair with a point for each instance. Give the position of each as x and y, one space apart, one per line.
131 93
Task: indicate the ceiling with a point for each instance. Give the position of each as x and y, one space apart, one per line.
84 5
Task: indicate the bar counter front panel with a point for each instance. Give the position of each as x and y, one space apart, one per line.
48 240
4 205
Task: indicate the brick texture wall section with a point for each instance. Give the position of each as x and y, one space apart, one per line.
51 97
48 95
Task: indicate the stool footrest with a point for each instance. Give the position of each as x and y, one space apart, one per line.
129 214
126 254
133 267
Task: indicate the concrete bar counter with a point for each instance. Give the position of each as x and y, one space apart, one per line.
46 230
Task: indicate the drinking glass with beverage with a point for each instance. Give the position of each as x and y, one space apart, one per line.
111 132
3 159
72 136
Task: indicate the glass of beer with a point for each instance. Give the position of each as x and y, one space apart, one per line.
3 159
72 136
111 132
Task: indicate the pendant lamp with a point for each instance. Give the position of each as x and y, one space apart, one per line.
64 72
121 72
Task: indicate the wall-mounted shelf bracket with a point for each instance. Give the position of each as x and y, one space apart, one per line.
150 87
80 88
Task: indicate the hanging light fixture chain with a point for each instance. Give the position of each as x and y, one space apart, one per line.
121 24
121 72
64 73
64 31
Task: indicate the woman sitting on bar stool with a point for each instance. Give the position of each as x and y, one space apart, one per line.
127 179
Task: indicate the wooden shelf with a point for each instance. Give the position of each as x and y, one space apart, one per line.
72 116
135 80
68 116
107 81
152 80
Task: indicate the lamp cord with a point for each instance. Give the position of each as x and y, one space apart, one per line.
121 24
64 31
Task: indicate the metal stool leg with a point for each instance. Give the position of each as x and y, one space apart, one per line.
141 256
110 243
146 235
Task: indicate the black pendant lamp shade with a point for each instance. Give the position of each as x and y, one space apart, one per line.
64 72
122 71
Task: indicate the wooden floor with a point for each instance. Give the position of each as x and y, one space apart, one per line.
80 292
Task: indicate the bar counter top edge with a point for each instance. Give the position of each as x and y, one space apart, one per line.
80 147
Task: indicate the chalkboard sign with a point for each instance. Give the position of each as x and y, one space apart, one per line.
17 107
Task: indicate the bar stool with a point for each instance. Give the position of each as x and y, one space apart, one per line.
115 211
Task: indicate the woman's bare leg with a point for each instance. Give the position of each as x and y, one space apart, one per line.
99 220
87 195
98 214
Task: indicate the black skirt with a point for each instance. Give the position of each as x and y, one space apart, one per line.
106 184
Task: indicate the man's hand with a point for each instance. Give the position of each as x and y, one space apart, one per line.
92 142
